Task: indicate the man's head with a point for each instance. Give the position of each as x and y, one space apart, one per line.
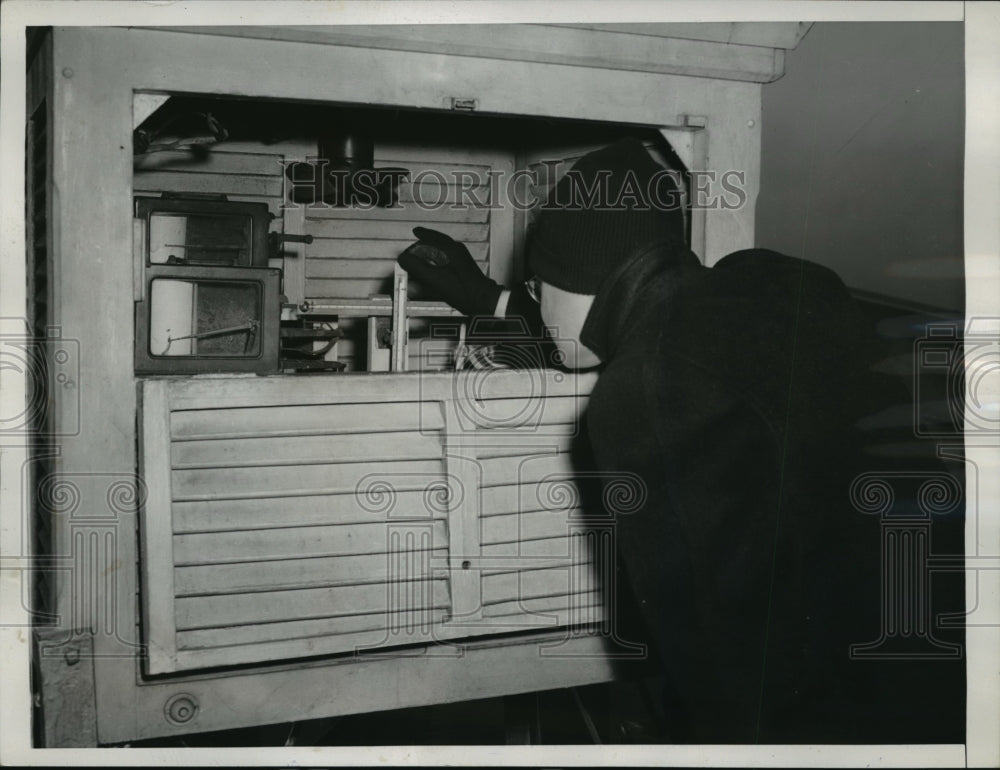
610 203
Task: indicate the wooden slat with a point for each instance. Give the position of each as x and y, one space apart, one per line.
497 443
403 212
548 404
267 513
216 161
422 167
382 230
339 269
524 470
292 573
313 419
301 542
536 583
518 552
562 610
366 393
360 248
429 193
240 483
333 632
245 452
423 392
556 495
181 181
561 552
273 606
537 525
318 289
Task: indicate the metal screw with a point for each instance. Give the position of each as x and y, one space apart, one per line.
67 72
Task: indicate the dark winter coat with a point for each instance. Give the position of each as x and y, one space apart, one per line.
734 393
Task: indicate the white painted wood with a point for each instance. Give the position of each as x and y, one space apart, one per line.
301 450
597 48
522 527
501 233
281 480
399 350
302 510
526 470
550 611
274 606
784 35
306 420
464 482
533 584
285 574
256 637
157 556
292 542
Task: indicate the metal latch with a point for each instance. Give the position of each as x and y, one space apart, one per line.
464 103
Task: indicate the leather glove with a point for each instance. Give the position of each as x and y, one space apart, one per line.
446 268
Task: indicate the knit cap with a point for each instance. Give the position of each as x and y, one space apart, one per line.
610 203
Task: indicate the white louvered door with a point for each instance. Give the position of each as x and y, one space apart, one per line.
288 517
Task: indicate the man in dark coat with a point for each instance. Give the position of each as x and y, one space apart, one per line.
734 393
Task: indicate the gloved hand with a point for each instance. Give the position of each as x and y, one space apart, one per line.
447 269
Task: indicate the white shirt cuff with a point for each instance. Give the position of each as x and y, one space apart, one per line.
501 308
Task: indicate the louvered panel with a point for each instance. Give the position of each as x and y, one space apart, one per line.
533 523
439 192
290 525
240 171
283 514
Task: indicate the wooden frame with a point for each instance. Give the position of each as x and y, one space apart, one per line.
96 72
